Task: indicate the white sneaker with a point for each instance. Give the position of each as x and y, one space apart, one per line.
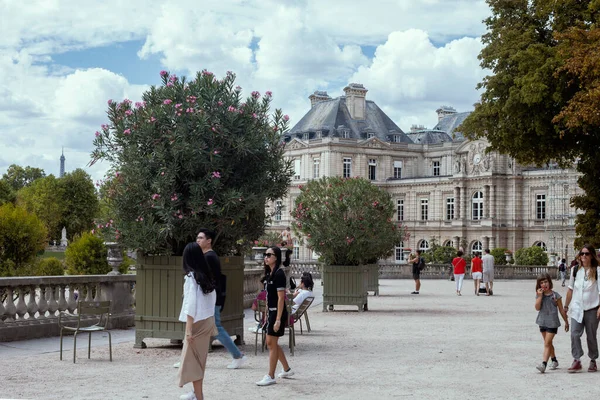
188 396
266 381
237 362
285 374
554 365
177 364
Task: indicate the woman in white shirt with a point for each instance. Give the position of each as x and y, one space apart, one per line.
197 311
582 304
304 290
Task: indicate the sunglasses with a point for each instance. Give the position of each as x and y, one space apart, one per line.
584 253
268 255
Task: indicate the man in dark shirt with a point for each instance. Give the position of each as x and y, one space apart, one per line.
204 239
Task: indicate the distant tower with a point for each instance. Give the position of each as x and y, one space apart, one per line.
62 163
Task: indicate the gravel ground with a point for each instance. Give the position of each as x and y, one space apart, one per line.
435 345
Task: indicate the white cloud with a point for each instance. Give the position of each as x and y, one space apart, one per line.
289 47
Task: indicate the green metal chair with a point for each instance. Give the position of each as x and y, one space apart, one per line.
97 309
260 317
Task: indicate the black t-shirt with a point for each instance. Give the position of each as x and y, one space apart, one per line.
215 265
275 282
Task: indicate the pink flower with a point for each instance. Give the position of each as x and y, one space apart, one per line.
254 115
162 173
104 126
109 102
210 202
220 103
207 73
216 152
167 101
180 216
93 231
169 84
152 119
286 117
117 174
189 110
138 104
216 174
97 133
173 78
155 196
128 112
231 109
174 197
127 132
213 129
177 105
238 88
163 73
126 101
268 93
255 94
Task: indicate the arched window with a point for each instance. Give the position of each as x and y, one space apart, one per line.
424 245
477 206
476 247
449 243
541 244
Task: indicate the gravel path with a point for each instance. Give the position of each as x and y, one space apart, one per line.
435 345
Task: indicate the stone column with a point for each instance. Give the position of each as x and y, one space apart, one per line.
493 202
457 214
492 244
486 242
463 204
487 200
456 240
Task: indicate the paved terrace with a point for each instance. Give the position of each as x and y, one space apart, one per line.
435 345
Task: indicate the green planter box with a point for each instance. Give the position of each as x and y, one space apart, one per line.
159 290
345 285
373 278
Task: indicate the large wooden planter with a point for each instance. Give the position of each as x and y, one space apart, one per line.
373 278
159 290
345 285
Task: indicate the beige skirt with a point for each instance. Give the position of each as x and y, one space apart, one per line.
193 357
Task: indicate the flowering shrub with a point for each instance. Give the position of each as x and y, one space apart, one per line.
192 154
533 255
348 221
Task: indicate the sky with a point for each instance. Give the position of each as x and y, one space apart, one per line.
60 63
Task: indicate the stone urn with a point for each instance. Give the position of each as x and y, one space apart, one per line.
115 257
508 257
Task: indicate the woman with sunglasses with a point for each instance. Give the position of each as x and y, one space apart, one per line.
582 304
277 315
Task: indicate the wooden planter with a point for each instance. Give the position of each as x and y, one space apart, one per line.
345 285
373 278
159 291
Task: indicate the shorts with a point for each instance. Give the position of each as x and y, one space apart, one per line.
416 275
488 276
477 275
549 330
271 323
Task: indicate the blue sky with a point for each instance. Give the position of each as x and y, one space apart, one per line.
61 64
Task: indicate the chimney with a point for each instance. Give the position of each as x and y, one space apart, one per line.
417 128
355 100
317 97
444 111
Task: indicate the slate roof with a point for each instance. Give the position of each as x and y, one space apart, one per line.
449 124
429 136
331 117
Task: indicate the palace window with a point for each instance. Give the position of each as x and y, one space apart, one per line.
424 246
297 169
477 247
397 169
372 168
316 167
347 171
278 207
477 205
436 168
450 208
540 206
400 209
424 209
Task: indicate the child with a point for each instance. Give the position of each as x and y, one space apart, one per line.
549 304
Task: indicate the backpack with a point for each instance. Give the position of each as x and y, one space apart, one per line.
421 264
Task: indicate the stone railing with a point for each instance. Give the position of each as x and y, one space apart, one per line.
29 306
252 284
443 271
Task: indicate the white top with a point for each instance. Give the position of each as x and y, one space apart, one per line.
586 294
195 303
300 297
488 262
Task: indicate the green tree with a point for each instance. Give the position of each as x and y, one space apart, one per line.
499 255
193 153
22 236
44 198
533 255
50 266
79 202
86 255
7 194
439 254
543 58
18 177
346 221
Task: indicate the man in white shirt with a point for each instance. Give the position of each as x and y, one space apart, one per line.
488 272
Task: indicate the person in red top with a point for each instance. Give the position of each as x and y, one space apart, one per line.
477 271
459 265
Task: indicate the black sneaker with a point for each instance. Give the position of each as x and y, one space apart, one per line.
415 292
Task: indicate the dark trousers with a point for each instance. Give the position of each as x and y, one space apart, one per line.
590 325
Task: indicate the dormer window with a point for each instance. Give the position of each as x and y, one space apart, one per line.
305 136
396 138
370 135
346 134
318 134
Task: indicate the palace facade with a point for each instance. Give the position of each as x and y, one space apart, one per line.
445 188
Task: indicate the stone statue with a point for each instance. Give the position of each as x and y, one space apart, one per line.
63 238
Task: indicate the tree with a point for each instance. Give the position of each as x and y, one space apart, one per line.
86 255
533 255
347 221
79 202
537 54
22 236
499 254
44 198
18 177
192 154
7 195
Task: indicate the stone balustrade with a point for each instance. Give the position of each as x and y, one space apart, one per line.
29 306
